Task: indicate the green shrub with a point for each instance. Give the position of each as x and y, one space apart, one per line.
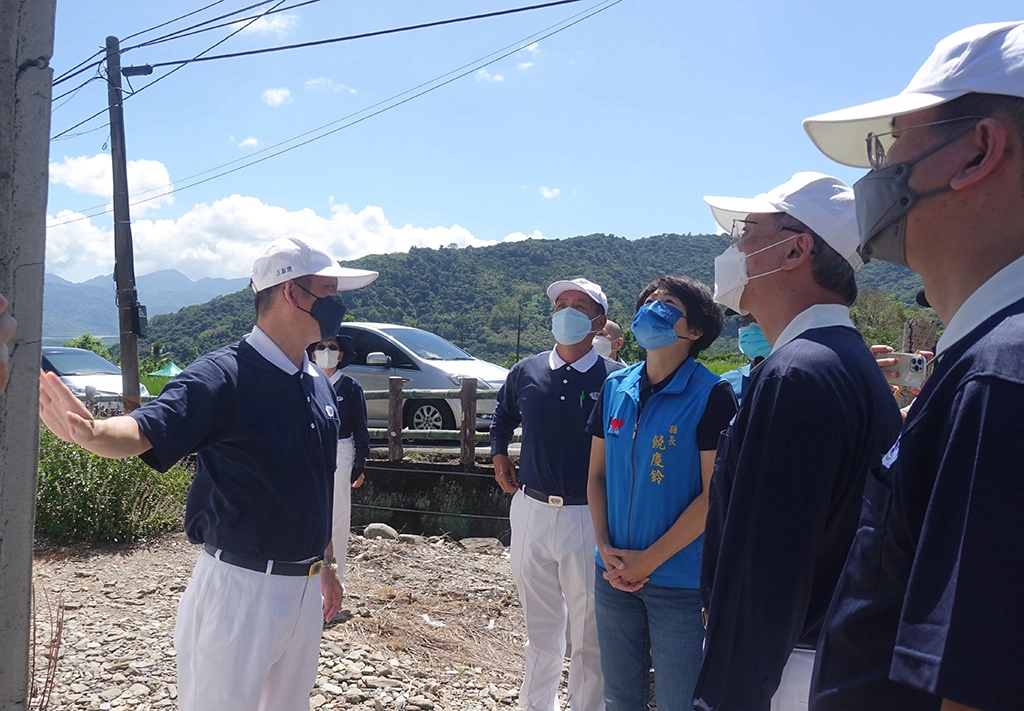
85 497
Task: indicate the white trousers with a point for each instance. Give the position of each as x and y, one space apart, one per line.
247 641
795 686
552 557
343 501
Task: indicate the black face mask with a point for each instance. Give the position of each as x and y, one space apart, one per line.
328 312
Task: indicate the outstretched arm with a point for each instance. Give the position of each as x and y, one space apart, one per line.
66 416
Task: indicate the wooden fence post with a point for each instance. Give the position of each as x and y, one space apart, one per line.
467 449
395 453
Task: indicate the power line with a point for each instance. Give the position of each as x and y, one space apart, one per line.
470 68
199 56
176 19
189 31
364 35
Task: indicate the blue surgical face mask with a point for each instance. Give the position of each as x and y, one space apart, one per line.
654 325
753 342
570 326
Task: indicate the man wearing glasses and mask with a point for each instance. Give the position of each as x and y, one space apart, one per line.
789 473
927 615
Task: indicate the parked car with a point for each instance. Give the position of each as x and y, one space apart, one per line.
426 361
79 369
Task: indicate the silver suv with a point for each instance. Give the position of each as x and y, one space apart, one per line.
425 361
81 369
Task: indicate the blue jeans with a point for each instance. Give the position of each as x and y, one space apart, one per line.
656 624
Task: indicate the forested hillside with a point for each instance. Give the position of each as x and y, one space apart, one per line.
483 298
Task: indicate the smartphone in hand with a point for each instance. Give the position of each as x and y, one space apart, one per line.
910 369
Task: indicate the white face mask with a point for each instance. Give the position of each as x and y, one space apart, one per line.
326 358
570 326
603 346
731 275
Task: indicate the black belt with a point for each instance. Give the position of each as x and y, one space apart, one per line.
551 500
305 570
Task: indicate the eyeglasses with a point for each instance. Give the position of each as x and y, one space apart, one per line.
329 347
740 227
876 147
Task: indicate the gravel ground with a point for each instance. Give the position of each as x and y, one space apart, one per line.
426 624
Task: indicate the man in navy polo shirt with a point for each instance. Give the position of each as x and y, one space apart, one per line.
552 552
928 614
789 473
262 421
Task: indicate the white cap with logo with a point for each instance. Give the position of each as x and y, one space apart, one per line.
823 203
984 59
291 257
588 287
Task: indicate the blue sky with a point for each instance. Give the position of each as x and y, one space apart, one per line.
618 124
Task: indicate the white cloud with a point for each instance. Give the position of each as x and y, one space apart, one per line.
277 97
523 66
484 75
93 175
325 84
549 193
248 142
223 238
276 25
532 48
520 237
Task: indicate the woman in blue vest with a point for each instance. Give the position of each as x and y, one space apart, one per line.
655 429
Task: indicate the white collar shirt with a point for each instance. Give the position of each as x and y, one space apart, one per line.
1002 289
260 341
582 365
816 316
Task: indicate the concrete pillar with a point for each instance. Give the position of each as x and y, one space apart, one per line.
26 44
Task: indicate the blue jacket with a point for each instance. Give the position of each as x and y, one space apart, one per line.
652 467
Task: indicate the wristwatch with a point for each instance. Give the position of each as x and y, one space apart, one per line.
331 562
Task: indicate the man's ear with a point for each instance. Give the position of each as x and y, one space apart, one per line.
598 324
798 251
987 152
288 293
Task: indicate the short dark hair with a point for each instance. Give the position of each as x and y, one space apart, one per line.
830 269
977 104
265 297
702 312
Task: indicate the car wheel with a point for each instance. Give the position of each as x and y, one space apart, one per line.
429 415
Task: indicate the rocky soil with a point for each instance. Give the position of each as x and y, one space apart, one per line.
426 624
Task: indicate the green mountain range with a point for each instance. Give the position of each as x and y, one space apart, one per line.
490 300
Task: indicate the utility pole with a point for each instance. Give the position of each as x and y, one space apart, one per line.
26 44
130 314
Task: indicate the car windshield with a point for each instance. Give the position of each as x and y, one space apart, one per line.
426 345
81 363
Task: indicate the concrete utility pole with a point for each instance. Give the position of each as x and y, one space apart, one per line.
129 312
26 44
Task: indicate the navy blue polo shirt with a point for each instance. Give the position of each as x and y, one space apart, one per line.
266 444
783 507
553 407
929 605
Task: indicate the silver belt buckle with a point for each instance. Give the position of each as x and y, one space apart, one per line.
315 568
555 501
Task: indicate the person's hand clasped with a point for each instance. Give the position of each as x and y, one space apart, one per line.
625 570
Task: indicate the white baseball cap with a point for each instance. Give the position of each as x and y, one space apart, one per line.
823 203
985 59
585 285
291 257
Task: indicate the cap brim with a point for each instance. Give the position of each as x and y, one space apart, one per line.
349 278
727 209
841 134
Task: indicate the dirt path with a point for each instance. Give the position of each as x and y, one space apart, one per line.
426 624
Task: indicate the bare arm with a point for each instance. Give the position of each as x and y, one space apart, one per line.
65 416
597 500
